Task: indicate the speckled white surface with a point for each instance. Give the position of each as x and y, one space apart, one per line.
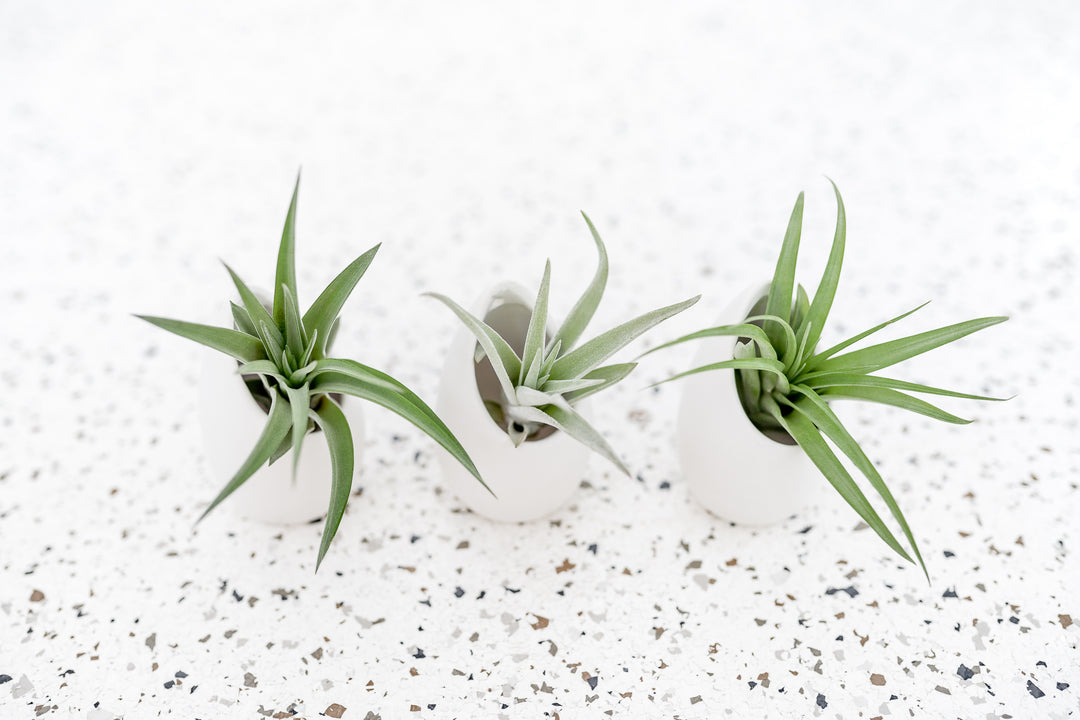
138 144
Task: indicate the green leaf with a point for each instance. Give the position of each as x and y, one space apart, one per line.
295 337
885 396
260 318
783 282
802 309
262 367
565 386
274 348
828 380
607 376
243 320
771 366
340 443
809 438
819 413
582 312
503 359
826 291
580 361
571 423
351 378
286 260
790 345
551 356
889 353
746 330
532 355
818 359
234 343
321 316
528 397
299 405
275 430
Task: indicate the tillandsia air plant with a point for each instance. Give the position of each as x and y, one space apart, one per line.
540 388
283 357
785 384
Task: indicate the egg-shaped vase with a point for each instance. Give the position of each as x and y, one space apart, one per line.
528 481
732 468
232 421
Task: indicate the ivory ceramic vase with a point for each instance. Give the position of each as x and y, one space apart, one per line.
731 467
232 422
529 481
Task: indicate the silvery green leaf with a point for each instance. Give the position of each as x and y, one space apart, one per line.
234 343
823 298
286 260
321 317
579 316
601 379
532 354
340 443
535 398
783 282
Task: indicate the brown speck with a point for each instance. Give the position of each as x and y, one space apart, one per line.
877 679
317 654
541 622
37 596
250 681
658 631
335 711
407 568
695 700
566 565
732 562
151 641
626 571
463 545
1065 620
413 671
414 708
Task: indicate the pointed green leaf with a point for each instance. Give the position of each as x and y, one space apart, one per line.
746 330
340 443
295 337
580 361
819 358
234 343
503 359
819 413
828 380
274 349
582 312
351 378
809 438
532 355
550 358
260 318
299 405
321 316
607 376
262 367
275 430
242 320
771 366
783 282
286 260
565 386
886 396
802 309
889 353
528 397
826 291
571 423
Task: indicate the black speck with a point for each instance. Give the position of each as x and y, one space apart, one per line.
180 674
665 485
481 595
513 590
950 593
1060 686
950 553
169 684
593 681
1034 690
821 701
806 529
414 538
1041 662
431 706
7 678
426 602
752 684
458 592
639 478
892 697
851 591
1014 620
593 548
237 596
965 672
419 654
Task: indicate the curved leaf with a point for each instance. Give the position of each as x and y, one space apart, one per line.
320 317
234 343
783 282
286 260
579 316
821 357
340 443
886 396
532 354
823 298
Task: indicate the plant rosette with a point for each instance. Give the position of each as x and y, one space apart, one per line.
512 390
784 386
277 357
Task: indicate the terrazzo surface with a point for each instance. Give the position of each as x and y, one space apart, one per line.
140 144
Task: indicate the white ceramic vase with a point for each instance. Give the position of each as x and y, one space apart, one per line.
732 468
529 481
232 422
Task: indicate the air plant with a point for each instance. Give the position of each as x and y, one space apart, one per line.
283 357
785 383
540 387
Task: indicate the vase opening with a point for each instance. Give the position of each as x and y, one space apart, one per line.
510 318
775 434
